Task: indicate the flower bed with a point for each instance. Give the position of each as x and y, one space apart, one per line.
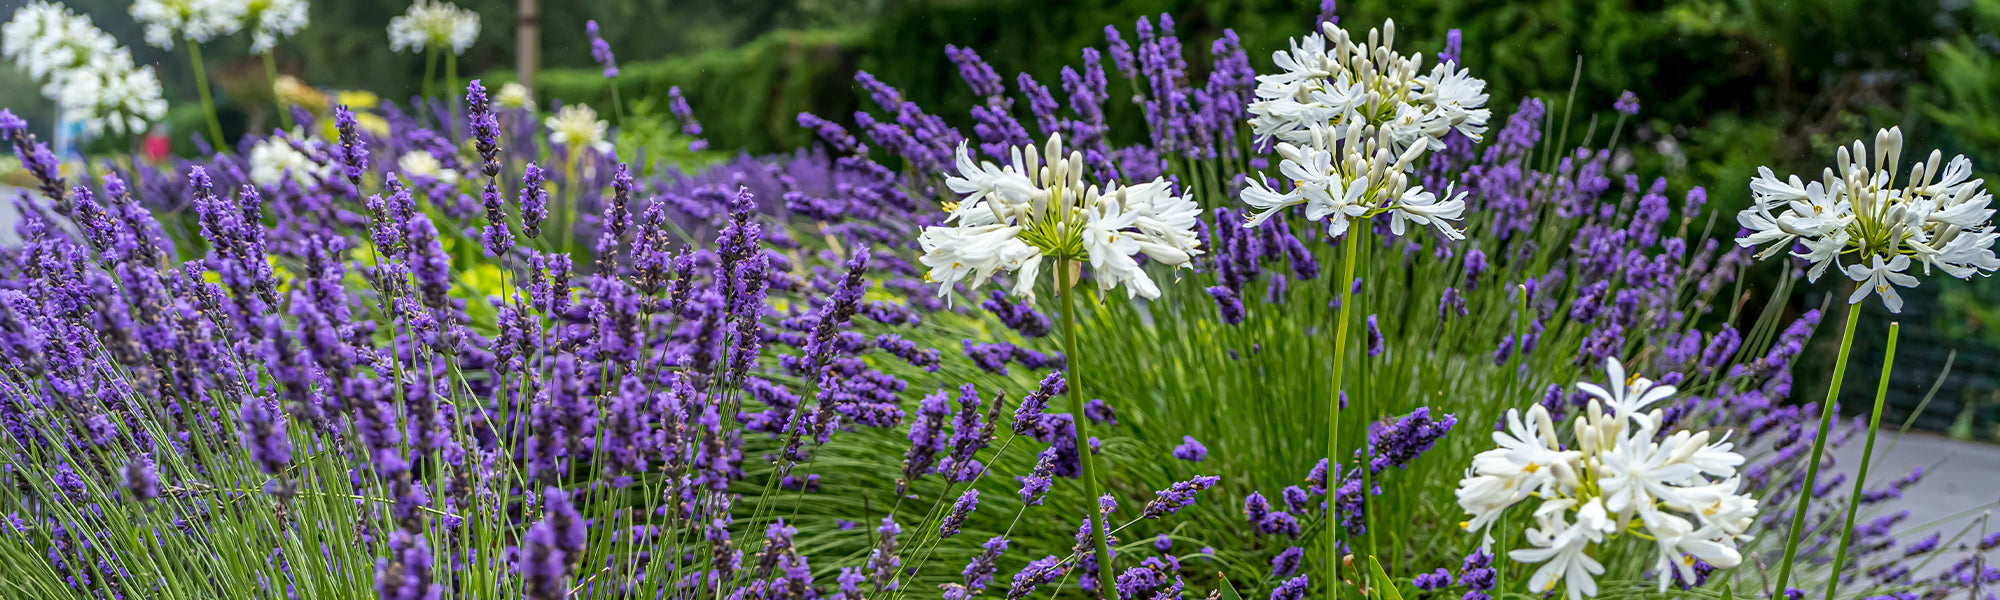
467 352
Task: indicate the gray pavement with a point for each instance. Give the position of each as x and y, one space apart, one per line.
1960 487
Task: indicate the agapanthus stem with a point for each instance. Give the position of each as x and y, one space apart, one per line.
271 79
1350 248
1071 363
207 102
430 71
1826 409
450 71
1867 453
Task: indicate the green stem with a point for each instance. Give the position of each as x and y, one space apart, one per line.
1368 415
430 70
450 73
1350 248
271 79
616 105
1075 382
207 102
1826 409
1867 453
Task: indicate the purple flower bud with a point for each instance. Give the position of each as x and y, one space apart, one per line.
534 201
959 511
1177 496
1287 563
353 152
1190 450
1627 104
1225 301
1099 412
1375 345
600 50
1292 589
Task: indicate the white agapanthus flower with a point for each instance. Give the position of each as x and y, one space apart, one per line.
429 25
1937 217
168 21
1352 179
514 95
277 159
1037 207
1350 120
273 20
1617 475
420 163
82 69
1365 85
577 126
44 39
110 94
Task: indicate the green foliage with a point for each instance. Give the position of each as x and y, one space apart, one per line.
652 138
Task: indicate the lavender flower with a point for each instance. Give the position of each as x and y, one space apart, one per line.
1434 580
1227 303
1627 104
1286 563
1099 412
1399 443
1190 450
1177 496
600 50
959 511
534 201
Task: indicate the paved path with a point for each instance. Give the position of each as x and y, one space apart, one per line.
1961 482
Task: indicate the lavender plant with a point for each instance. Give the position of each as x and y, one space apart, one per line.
369 384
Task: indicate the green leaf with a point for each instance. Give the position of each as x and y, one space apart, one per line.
1383 587
1228 590
1728 594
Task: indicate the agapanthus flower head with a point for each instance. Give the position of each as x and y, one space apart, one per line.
1860 217
277 159
430 25
1618 474
197 21
82 69
1039 206
514 95
421 163
1338 82
577 127
271 20
1353 177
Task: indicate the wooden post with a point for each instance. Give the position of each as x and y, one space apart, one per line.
528 43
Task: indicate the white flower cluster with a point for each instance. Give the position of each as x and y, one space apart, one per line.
1939 217
272 20
1039 207
1617 476
1351 121
277 159
429 25
577 127
197 20
82 69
